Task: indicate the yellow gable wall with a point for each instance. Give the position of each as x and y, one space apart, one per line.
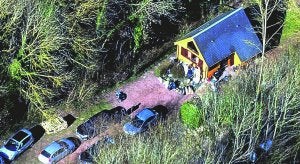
237 60
183 43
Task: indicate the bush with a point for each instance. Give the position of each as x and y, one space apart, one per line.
157 72
162 68
177 71
190 115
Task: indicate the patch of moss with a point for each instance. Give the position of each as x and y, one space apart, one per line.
162 68
177 71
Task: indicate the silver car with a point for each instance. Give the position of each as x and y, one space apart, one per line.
16 144
141 122
57 150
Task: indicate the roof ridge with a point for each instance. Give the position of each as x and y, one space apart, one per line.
217 22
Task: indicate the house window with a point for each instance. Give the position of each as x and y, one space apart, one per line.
192 46
184 52
194 58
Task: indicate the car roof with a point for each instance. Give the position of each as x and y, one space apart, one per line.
53 147
145 114
20 135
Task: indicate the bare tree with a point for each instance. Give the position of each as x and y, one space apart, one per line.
270 16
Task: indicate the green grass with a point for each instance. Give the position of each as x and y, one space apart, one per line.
93 110
292 21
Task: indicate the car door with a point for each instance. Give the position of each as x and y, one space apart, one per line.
148 122
55 157
25 143
58 155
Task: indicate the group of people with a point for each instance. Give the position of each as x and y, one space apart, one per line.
175 84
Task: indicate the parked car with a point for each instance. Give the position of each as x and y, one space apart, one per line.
88 156
57 150
1 160
16 144
98 122
141 122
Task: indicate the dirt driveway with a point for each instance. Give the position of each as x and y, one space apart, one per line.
147 90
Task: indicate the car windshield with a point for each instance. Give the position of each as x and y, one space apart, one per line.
11 145
137 122
45 153
63 144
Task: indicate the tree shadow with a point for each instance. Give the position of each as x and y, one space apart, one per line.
132 109
13 110
162 111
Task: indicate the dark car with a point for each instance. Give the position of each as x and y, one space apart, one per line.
1 160
97 123
17 144
88 156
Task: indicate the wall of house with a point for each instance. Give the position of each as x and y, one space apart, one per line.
212 70
237 60
184 44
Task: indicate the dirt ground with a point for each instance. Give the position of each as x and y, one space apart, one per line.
147 90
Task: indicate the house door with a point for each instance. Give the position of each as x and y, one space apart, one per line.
230 61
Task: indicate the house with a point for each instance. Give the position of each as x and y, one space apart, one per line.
228 39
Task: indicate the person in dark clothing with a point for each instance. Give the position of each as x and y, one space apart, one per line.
172 85
121 96
190 72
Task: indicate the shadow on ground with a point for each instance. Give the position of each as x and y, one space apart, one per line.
76 141
162 111
37 132
70 119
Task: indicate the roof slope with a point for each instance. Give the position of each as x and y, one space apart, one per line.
231 32
207 24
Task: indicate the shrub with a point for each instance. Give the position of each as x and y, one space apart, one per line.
162 68
157 72
190 115
177 71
